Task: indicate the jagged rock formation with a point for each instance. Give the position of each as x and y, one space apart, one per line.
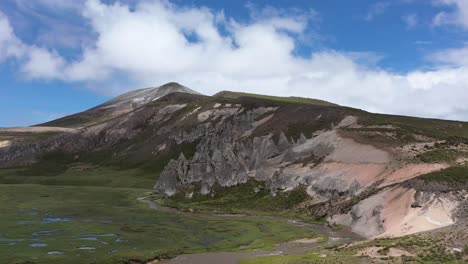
226 157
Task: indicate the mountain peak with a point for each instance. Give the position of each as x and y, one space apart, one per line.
171 85
174 87
121 104
146 95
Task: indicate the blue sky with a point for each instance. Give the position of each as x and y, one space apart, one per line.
403 56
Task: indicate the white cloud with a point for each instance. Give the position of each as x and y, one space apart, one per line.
410 20
376 9
10 45
458 16
36 62
454 57
157 42
43 64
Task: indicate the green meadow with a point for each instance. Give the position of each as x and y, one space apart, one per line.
90 217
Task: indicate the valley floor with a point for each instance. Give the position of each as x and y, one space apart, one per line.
445 245
86 215
91 224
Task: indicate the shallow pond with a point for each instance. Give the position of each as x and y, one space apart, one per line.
38 245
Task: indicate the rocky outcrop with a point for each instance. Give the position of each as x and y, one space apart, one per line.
226 157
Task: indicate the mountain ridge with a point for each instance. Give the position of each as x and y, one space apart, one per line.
121 104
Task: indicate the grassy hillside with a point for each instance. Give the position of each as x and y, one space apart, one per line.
457 175
438 128
295 100
76 120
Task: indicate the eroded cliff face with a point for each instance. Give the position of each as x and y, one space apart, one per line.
352 183
223 156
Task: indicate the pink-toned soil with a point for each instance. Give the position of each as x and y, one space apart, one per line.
364 174
409 172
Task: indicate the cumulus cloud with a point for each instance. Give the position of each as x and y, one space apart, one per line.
458 16
155 42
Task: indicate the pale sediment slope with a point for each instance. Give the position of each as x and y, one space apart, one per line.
432 211
17 135
37 129
399 211
5 143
